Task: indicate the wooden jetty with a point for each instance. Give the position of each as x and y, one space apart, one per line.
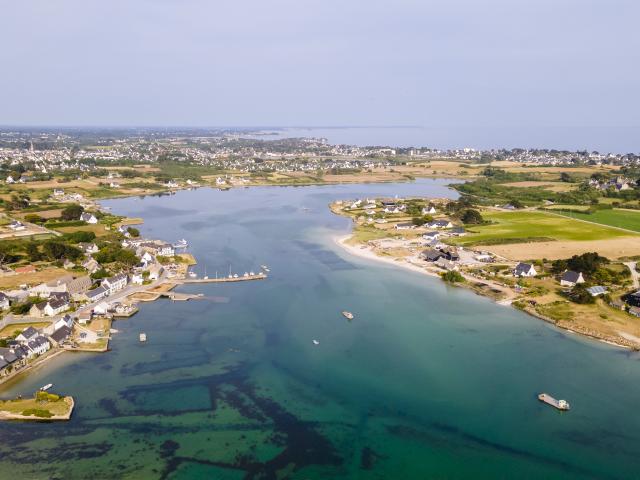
239 278
549 400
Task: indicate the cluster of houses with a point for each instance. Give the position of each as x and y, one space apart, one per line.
618 183
569 279
444 257
31 343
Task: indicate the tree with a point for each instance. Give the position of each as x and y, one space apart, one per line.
472 217
566 177
134 232
580 295
33 252
516 203
72 212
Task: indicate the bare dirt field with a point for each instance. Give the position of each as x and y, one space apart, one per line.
13 281
611 248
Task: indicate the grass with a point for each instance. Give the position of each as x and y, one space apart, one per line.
98 229
43 408
12 281
627 219
9 330
363 234
533 224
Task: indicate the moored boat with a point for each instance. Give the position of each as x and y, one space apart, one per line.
316 342
182 243
549 400
46 387
348 315
143 337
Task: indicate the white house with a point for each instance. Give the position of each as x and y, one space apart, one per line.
4 301
89 218
65 321
38 345
16 226
571 279
115 283
430 210
440 224
165 250
524 270
54 307
137 279
101 309
155 271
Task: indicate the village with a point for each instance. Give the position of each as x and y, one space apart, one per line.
580 291
73 310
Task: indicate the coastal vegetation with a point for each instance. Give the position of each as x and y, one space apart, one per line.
42 406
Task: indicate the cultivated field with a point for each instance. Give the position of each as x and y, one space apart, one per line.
536 224
534 235
627 219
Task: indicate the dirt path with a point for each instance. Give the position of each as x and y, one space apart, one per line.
634 274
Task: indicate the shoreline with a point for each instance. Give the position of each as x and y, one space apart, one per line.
364 251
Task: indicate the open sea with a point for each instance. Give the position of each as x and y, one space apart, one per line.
427 382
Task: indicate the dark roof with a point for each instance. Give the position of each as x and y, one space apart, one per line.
8 355
59 296
55 303
523 267
29 331
61 334
432 255
96 292
3 363
570 276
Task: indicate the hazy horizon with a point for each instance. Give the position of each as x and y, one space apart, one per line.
196 64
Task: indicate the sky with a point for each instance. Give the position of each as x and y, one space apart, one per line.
453 63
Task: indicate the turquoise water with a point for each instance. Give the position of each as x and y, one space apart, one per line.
428 381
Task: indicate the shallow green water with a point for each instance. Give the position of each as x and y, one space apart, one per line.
428 381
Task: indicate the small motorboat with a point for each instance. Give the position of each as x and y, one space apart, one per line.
235 275
265 268
348 315
143 337
193 274
182 243
46 387
316 342
251 273
246 274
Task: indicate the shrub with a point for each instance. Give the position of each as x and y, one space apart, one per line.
452 277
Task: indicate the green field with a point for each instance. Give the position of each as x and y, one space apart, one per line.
516 227
628 219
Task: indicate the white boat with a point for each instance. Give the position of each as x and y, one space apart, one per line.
316 342
235 275
251 273
193 274
46 387
265 268
182 243
143 337
348 315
